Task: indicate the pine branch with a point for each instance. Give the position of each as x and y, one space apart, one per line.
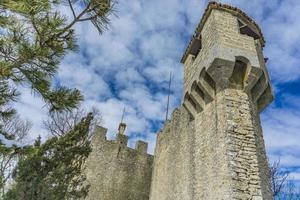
72 9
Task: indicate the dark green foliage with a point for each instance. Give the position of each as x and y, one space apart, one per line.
7 94
34 37
53 170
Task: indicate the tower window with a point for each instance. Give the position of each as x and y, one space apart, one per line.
196 46
246 30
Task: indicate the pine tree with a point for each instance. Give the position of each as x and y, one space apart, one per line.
53 170
18 130
34 38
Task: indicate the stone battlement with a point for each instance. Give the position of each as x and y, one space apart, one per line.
212 148
226 51
117 171
141 147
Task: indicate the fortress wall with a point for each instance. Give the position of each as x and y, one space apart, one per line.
263 165
212 148
231 148
229 158
190 157
218 155
117 172
173 166
246 151
212 180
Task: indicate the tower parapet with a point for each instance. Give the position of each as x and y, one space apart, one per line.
225 52
213 147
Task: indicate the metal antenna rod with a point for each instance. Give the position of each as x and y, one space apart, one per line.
123 115
169 92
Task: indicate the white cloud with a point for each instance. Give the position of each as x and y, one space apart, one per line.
129 66
8 143
280 24
32 108
128 77
74 73
281 132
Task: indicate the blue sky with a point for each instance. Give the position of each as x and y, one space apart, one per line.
129 66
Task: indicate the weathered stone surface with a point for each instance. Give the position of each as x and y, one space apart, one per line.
218 155
222 47
117 172
216 151
173 159
212 148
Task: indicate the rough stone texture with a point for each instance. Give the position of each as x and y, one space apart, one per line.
212 148
245 147
117 172
221 39
218 155
174 162
216 151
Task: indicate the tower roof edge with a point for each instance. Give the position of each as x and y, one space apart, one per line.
214 5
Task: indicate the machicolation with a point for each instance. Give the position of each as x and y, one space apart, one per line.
212 148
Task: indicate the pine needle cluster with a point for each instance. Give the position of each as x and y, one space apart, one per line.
53 170
34 38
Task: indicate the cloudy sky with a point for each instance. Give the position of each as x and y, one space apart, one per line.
128 66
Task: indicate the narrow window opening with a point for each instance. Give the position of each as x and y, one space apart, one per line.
196 46
246 30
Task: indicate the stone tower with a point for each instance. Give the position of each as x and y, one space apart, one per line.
213 147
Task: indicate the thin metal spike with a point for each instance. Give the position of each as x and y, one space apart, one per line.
169 92
123 115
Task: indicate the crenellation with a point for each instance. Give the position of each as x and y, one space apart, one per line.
226 85
100 133
212 148
116 171
141 146
121 139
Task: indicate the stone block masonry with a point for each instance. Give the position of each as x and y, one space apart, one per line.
212 148
117 172
220 155
174 163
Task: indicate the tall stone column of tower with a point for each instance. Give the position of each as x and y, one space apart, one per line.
213 147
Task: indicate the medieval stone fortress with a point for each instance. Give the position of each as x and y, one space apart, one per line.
212 148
